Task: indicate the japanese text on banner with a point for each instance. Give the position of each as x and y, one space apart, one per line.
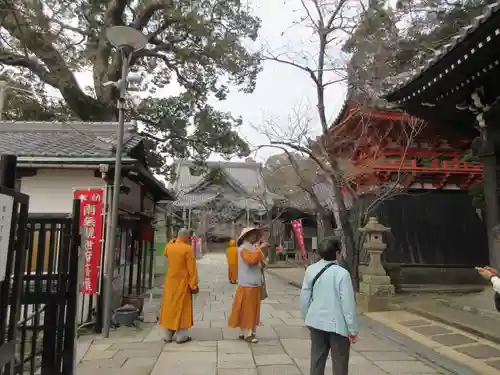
91 225
299 235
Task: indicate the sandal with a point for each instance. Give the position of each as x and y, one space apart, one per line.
167 341
187 339
241 337
251 339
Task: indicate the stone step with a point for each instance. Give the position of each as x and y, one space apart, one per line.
482 326
440 289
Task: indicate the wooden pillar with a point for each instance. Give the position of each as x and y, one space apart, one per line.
490 155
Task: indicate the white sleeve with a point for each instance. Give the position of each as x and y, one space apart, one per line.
495 281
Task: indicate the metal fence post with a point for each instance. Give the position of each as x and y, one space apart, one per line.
8 165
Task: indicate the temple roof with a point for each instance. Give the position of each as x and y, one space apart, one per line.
64 139
247 186
458 87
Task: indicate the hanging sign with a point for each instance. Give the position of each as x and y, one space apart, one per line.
299 235
91 227
195 244
6 205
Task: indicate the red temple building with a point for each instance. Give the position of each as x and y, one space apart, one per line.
382 150
428 207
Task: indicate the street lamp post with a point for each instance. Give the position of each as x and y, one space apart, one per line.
126 40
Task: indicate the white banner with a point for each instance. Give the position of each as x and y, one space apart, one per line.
6 205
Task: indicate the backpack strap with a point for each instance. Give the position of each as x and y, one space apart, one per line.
321 273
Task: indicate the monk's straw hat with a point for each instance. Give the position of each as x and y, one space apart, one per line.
245 232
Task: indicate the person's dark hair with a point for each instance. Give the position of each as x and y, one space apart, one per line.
329 247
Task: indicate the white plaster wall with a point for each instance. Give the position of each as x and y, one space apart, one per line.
51 190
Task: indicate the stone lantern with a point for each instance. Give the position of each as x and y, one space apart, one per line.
374 245
375 285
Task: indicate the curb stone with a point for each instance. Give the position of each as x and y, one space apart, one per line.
420 350
453 323
284 279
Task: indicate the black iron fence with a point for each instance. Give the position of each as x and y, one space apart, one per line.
134 258
14 206
42 287
134 273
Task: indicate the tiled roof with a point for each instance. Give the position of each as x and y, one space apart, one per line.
68 139
201 199
193 200
488 11
246 174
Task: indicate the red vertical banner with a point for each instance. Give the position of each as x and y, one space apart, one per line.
194 244
91 228
198 247
299 235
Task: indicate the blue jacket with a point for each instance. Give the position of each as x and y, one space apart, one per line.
331 306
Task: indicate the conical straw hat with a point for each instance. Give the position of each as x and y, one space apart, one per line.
244 233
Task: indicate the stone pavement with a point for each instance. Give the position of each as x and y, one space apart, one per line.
479 354
283 348
293 276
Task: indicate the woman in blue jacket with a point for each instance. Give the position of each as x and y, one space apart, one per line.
329 308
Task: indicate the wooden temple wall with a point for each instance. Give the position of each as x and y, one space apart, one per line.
433 227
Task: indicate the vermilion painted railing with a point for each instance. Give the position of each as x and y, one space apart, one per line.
437 166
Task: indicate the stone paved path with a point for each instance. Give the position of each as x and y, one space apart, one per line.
481 355
283 348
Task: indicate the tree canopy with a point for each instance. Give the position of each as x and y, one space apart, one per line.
201 46
290 174
394 40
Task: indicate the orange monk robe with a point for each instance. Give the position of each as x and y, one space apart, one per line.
245 312
232 261
182 276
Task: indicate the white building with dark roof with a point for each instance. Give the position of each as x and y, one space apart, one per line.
232 195
54 159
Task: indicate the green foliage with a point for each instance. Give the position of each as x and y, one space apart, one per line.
477 193
390 41
29 102
469 157
217 176
181 128
201 45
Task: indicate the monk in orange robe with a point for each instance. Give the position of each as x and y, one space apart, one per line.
232 262
181 282
245 313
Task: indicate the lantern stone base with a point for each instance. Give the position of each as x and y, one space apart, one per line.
375 292
371 303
